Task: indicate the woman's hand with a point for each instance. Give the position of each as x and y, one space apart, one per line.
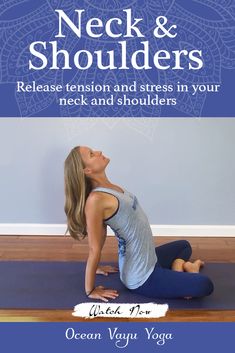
101 293
105 270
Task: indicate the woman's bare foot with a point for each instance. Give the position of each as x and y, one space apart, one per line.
193 267
200 263
178 265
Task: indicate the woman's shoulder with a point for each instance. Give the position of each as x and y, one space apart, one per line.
94 198
99 200
94 204
100 204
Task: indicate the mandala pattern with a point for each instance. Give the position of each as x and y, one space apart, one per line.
205 24
75 128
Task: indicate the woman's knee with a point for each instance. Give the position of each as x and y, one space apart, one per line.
206 286
210 286
185 245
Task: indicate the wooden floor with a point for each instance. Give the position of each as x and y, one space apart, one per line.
55 248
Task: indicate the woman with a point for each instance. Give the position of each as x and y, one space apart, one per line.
93 202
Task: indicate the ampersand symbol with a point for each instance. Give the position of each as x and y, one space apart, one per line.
160 30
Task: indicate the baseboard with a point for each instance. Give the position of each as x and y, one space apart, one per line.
157 230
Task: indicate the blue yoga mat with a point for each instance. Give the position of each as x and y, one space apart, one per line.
60 285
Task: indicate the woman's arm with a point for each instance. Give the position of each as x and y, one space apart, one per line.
94 212
105 270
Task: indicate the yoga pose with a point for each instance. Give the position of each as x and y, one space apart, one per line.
91 203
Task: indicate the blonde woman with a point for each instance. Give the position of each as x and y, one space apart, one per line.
92 202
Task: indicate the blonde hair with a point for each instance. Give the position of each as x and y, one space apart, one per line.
77 189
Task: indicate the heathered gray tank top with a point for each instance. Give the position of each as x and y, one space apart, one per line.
137 257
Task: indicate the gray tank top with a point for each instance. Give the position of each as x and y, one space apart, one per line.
137 257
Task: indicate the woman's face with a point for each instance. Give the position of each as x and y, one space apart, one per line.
94 161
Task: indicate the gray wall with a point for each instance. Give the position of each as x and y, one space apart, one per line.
182 170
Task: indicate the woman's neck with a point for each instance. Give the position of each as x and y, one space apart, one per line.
100 181
104 182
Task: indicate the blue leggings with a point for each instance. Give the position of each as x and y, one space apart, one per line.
166 283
